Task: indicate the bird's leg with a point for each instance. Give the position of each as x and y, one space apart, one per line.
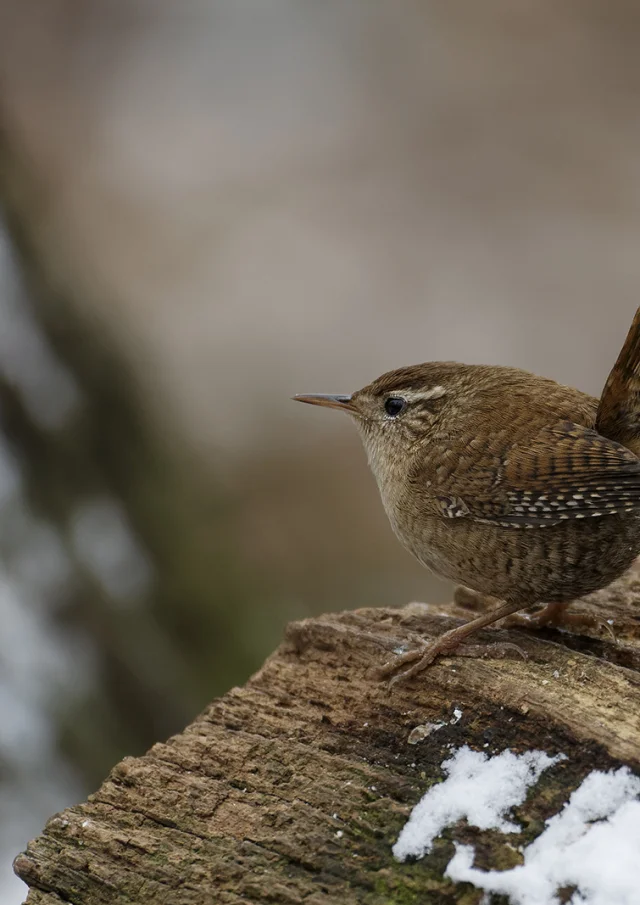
552 614
472 600
448 642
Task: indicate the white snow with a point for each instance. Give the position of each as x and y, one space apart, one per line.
480 788
592 845
601 859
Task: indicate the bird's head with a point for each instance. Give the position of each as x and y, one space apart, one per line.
398 410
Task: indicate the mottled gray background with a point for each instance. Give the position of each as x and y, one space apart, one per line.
209 206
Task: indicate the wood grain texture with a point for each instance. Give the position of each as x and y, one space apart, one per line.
293 788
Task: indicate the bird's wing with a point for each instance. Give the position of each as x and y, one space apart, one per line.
566 471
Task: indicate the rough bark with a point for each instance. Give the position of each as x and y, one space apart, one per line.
294 787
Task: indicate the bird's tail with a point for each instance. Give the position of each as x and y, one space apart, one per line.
618 416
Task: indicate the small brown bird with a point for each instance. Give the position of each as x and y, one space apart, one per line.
510 484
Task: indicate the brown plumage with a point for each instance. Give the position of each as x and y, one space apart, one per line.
508 483
618 414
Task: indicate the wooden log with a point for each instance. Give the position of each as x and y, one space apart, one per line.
294 788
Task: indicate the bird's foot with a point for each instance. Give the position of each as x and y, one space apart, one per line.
554 614
445 644
493 650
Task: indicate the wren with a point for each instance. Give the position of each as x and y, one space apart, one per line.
507 483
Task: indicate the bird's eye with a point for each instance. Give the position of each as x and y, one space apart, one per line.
394 405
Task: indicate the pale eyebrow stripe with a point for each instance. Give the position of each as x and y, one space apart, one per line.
433 393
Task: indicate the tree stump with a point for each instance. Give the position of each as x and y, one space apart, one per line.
294 788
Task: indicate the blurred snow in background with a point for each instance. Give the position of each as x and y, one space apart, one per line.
38 662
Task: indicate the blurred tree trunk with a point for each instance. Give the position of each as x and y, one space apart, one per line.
173 631
295 787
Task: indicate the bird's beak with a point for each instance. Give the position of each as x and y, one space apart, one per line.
334 402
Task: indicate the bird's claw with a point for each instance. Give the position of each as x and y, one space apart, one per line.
426 655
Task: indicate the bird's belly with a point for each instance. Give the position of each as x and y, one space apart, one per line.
555 563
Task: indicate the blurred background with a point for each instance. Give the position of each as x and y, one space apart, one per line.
209 206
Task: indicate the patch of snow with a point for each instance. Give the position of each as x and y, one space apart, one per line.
457 716
478 787
593 845
106 544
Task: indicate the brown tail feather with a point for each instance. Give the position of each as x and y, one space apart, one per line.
619 411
